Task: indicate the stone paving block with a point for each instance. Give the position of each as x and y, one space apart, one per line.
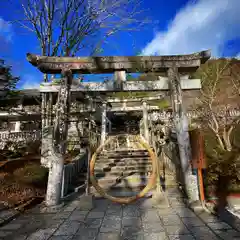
86 234
54 223
164 212
4 233
171 220
80 212
112 217
155 236
78 216
206 217
219 226
31 227
150 216
111 225
113 205
69 228
136 237
11 226
101 204
185 213
19 237
181 237
210 236
61 238
131 212
129 232
114 212
177 203
93 222
62 215
41 234
179 229
228 234
203 233
94 214
131 221
192 222
145 204
152 227
109 236
69 208
86 202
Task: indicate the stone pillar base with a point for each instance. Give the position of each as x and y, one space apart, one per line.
51 209
86 202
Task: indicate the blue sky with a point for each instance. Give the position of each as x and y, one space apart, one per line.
180 27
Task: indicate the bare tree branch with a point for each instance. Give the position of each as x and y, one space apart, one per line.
67 26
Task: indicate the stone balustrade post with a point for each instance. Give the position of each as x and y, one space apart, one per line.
17 127
104 125
145 121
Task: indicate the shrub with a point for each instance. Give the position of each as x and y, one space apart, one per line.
222 164
32 174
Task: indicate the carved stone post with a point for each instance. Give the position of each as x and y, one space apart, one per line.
181 124
46 133
89 152
145 121
104 125
58 146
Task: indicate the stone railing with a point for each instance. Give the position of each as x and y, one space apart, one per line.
165 116
70 171
20 136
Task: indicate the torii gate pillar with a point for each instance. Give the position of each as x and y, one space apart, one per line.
181 124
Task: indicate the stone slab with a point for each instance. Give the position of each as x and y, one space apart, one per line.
108 220
86 202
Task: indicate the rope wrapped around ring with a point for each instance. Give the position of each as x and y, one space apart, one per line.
125 200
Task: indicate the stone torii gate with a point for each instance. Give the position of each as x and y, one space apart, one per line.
172 66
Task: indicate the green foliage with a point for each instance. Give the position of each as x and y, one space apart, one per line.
32 174
222 163
10 79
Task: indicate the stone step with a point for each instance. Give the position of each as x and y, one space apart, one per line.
123 160
133 162
113 164
116 172
118 169
120 156
124 151
116 193
108 167
134 179
126 190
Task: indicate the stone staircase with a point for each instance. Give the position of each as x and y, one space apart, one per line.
125 172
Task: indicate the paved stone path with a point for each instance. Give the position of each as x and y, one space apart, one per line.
138 221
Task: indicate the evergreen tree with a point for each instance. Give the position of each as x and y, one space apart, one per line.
7 80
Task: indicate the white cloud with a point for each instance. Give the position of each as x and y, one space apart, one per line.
205 24
29 82
6 29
